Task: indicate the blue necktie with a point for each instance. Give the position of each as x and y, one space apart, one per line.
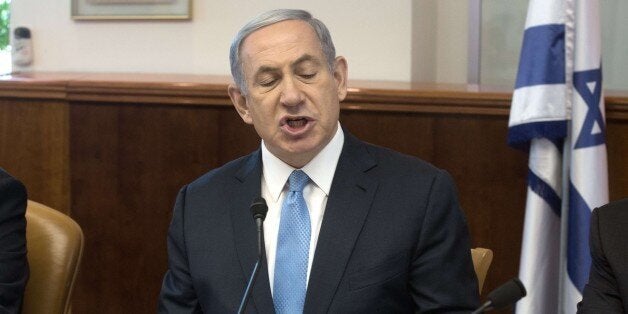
293 248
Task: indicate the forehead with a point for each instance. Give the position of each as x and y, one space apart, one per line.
277 41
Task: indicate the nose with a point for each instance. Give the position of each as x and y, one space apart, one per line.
291 93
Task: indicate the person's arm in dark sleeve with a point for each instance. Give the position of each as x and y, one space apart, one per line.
177 291
13 260
442 277
601 293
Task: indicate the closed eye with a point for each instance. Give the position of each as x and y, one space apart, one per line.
308 76
267 83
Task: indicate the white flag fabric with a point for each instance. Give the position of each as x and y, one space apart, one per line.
588 174
557 113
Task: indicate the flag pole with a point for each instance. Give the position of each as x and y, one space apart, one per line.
564 220
564 225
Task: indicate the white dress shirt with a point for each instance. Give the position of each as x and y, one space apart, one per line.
321 171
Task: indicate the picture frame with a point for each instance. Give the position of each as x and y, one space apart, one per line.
131 9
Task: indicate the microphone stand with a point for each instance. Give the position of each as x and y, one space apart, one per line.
260 253
504 295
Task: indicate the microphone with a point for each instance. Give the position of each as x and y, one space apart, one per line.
258 210
504 295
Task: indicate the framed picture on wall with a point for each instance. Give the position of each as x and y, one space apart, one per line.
131 9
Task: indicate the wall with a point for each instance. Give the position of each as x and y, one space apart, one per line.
368 32
423 37
376 37
451 45
502 34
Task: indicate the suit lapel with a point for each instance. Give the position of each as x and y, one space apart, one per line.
247 188
349 201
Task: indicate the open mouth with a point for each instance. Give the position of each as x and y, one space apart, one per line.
297 126
296 122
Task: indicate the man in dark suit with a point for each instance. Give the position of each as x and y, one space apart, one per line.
351 227
607 289
13 263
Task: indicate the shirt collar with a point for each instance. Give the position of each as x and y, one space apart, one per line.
321 169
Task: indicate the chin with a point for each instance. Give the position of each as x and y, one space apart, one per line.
299 148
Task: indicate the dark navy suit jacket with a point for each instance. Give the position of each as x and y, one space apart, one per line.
13 262
393 240
607 289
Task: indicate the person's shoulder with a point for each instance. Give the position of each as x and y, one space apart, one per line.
391 159
616 211
10 184
5 176
13 197
224 173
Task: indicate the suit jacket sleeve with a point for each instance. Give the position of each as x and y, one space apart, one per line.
442 276
601 293
13 261
177 291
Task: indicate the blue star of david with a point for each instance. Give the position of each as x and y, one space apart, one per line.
587 138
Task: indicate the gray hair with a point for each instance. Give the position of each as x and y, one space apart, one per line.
272 17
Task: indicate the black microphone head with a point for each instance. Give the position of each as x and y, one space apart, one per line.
507 294
259 208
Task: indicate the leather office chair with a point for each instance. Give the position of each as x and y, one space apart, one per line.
55 245
482 259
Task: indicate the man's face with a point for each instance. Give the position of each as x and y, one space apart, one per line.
293 98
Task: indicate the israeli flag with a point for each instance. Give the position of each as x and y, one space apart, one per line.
557 113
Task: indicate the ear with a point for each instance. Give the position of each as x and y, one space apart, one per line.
340 76
239 102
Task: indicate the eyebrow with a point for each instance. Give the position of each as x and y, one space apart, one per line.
304 58
265 69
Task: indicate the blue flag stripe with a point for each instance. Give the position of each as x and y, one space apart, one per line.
545 191
519 136
578 258
542 56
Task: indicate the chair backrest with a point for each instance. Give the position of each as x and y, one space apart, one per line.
55 246
482 259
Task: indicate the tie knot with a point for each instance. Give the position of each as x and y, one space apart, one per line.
297 181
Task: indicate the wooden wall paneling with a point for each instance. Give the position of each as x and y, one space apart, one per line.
129 161
409 133
617 147
491 179
34 148
236 138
